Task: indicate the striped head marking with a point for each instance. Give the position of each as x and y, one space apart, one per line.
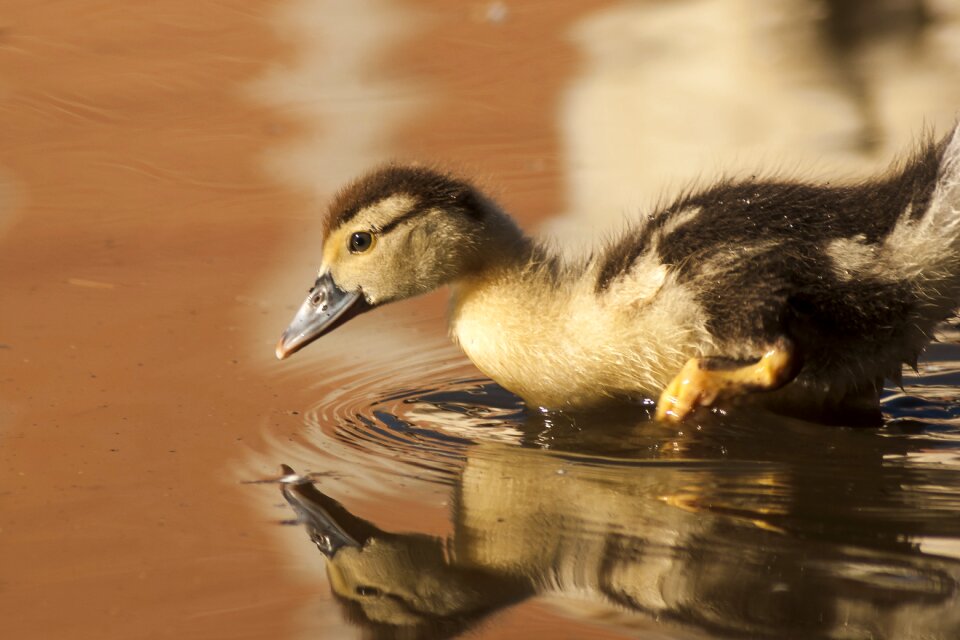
401 231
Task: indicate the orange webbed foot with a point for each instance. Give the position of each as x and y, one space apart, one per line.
704 381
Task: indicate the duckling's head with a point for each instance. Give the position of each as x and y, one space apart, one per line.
397 232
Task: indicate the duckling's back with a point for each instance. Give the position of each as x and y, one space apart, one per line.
857 276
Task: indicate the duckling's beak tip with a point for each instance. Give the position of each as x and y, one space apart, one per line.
282 351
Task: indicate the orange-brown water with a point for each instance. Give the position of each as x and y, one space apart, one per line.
161 175
139 217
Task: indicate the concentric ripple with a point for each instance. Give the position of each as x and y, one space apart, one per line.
411 413
427 427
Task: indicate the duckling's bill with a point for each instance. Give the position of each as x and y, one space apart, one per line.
327 307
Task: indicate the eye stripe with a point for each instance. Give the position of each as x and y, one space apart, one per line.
396 222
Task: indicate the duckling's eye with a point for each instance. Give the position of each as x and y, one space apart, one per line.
368 591
360 242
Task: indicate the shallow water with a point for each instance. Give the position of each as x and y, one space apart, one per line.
162 177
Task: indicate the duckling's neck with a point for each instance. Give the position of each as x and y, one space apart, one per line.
502 248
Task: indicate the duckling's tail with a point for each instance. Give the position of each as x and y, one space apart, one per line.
943 211
924 246
908 281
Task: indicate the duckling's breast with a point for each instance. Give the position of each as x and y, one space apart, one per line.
562 346
527 351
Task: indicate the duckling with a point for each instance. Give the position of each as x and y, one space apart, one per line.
796 297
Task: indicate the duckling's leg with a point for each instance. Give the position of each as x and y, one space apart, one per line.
704 381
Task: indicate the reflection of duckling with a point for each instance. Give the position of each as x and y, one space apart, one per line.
398 582
811 293
736 554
